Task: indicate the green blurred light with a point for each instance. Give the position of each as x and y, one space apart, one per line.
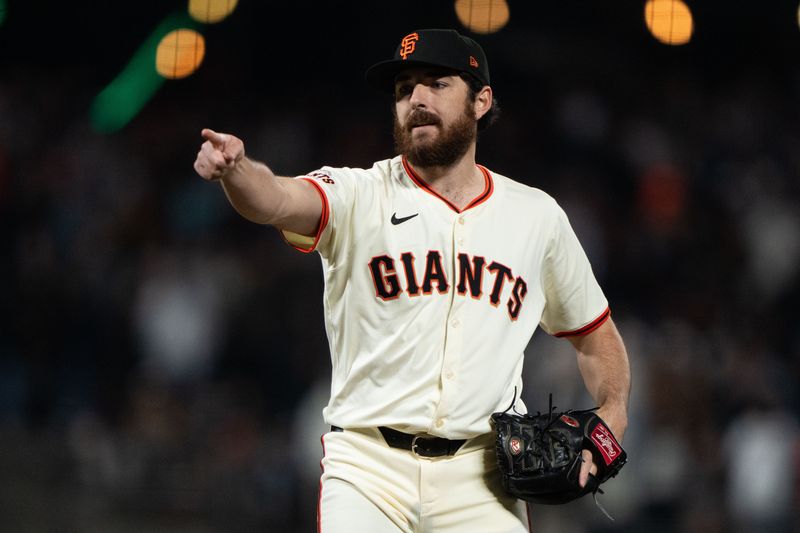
3 10
122 99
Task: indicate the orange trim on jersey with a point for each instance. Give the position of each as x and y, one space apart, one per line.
588 328
487 192
482 197
319 496
323 220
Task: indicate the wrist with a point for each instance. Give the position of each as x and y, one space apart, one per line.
616 419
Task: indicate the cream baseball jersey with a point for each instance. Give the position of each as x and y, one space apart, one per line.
428 308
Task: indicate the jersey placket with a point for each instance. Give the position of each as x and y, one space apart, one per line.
452 352
453 343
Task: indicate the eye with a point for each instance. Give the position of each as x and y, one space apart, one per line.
403 89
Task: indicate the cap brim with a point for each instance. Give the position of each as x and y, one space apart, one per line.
380 76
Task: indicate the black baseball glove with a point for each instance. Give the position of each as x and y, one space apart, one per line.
540 455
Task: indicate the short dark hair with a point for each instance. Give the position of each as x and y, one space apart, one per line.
491 116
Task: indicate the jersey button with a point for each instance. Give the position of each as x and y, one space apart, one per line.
449 374
461 220
439 423
455 323
461 241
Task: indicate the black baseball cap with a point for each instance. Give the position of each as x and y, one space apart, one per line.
431 47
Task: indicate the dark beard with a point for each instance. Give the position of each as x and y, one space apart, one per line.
452 144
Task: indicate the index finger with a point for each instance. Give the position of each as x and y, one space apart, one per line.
214 137
586 467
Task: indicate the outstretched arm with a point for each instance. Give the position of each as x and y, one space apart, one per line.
254 190
603 363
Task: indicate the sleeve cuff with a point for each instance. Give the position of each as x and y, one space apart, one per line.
588 328
308 243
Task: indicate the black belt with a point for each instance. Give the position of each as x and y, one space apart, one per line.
422 445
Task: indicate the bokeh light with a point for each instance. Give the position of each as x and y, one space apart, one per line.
179 53
2 11
482 16
670 21
211 11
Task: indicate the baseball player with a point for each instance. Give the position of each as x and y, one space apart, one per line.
437 272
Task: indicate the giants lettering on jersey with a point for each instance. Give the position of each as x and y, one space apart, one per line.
471 270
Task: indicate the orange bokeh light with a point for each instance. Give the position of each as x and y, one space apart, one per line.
179 53
670 21
482 16
211 11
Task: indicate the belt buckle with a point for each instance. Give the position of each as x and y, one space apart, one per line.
414 445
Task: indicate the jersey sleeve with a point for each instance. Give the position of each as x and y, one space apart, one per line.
337 190
574 302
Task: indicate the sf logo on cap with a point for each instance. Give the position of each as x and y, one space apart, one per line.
408 45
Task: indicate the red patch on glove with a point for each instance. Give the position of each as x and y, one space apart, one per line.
606 443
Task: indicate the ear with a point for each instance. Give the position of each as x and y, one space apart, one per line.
483 101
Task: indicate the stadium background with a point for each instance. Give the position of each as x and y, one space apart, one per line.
163 362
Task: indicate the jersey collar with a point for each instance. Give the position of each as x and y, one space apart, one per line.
482 197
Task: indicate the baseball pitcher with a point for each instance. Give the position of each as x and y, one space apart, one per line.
437 273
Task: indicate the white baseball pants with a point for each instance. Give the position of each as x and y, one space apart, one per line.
367 486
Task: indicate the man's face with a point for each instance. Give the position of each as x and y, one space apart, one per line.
434 123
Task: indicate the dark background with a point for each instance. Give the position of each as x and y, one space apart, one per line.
163 362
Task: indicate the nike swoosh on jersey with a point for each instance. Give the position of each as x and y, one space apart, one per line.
397 221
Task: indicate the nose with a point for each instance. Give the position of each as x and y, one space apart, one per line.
418 96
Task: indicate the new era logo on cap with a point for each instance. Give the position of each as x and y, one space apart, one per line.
431 47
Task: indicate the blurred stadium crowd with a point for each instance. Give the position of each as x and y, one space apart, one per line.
163 363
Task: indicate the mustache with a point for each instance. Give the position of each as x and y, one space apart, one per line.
420 117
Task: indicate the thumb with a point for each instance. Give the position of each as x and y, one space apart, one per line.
217 139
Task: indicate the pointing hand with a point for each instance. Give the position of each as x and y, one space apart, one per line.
218 155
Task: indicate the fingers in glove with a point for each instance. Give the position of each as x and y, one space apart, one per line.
588 467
